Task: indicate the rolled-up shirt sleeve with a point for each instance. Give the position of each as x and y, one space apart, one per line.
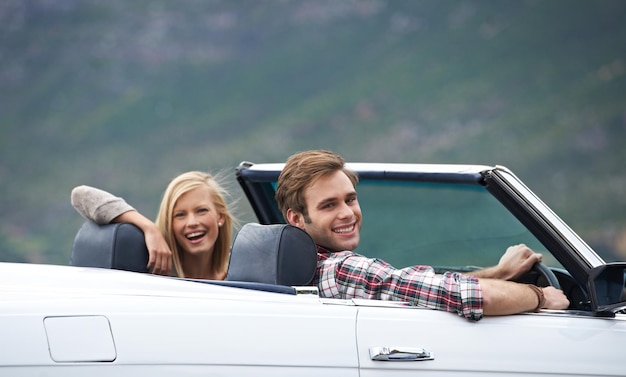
349 275
98 205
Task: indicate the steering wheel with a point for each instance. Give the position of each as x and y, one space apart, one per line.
545 272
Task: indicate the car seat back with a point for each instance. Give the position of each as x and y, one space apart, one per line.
272 254
118 246
278 254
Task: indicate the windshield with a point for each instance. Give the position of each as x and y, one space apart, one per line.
408 223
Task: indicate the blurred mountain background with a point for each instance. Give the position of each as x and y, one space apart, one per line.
125 95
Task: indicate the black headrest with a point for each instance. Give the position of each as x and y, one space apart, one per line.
119 246
273 254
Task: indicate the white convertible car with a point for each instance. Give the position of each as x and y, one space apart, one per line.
105 316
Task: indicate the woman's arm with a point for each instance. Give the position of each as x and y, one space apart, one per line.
104 208
98 205
159 254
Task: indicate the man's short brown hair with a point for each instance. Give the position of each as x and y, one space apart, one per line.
301 171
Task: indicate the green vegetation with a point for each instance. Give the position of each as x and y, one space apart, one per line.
125 95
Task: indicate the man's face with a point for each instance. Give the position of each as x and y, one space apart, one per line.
334 215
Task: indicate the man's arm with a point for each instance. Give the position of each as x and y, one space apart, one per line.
504 297
516 261
348 275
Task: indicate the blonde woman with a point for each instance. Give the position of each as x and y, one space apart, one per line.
192 232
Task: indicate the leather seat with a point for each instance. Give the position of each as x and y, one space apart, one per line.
272 254
119 246
277 254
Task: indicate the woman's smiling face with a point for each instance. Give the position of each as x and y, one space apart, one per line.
196 222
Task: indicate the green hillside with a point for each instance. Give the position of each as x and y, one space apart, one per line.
124 95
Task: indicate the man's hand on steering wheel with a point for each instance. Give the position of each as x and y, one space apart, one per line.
517 261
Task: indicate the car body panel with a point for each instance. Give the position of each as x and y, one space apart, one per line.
179 325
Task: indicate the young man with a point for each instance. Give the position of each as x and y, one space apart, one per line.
318 194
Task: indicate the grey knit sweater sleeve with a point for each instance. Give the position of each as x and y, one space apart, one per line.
98 205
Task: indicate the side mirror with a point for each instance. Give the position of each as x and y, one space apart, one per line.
606 286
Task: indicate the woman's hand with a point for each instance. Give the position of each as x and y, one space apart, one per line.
159 253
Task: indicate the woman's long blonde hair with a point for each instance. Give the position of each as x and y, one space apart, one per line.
178 187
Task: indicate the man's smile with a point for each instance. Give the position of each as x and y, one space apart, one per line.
344 229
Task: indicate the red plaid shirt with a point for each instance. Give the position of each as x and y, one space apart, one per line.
346 275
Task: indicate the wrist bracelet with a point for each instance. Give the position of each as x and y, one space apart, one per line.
540 296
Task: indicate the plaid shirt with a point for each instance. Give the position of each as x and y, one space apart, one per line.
346 275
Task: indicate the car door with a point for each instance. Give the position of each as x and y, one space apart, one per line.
533 344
